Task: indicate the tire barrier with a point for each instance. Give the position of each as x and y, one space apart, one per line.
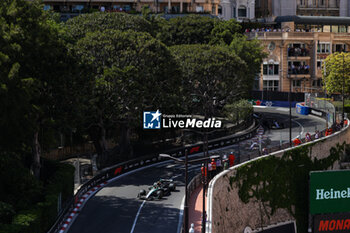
106 174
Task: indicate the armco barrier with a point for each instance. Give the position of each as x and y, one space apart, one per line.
121 168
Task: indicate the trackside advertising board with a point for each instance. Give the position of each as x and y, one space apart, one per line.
335 223
329 192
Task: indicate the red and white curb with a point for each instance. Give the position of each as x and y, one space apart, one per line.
79 205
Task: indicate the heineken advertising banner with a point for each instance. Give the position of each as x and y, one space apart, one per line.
329 192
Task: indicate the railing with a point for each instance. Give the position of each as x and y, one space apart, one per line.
122 168
299 70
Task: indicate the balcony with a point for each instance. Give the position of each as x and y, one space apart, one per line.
297 53
280 35
299 70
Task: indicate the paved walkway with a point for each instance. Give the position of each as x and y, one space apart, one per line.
195 207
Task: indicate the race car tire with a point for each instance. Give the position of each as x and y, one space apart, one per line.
166 191
159 194
172 186
142 193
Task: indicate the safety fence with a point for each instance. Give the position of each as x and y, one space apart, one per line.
128 166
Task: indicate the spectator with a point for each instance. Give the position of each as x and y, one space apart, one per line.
328 131
213 167
218 165
317 134
231 159
210 171
296 142
204 172
307 137
264 151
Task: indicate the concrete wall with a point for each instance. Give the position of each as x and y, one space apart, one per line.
227 213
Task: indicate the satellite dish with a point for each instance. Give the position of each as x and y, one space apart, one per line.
248 230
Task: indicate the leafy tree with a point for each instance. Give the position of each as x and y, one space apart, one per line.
239 110
336 67
224 31
193 29
209 75
130 72
33 75
79 26
251 52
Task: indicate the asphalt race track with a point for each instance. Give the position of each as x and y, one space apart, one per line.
116 209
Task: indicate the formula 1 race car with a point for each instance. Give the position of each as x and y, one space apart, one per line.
159 189
272 124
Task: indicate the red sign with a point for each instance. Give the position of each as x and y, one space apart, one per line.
258 102
336 223
118 170
194 149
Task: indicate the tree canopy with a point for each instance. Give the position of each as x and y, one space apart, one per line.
79 26
209 73
131 72
336 66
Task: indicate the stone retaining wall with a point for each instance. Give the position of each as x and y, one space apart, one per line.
228 214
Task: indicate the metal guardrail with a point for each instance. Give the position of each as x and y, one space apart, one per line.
121 168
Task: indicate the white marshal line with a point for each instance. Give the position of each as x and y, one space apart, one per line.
137 216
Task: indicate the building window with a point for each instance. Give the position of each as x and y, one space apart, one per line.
323 48
234 12
342 29
339 48
242 12
270 69
296 83
317 83
270 85
334 28
219 10
213 10
319 64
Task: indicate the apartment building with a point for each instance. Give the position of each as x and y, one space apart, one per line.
271 8
157 6
241 10
297 47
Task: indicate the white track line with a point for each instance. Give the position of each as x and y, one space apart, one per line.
179 226
302 129
137 216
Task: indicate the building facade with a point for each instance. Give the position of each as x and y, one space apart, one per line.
241 10
157 6
271 8
296 52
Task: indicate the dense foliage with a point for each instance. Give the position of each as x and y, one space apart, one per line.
29 205
238 111
90 79
336 72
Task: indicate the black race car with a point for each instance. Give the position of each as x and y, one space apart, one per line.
159 189
272 124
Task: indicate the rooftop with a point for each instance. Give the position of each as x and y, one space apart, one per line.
317 20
